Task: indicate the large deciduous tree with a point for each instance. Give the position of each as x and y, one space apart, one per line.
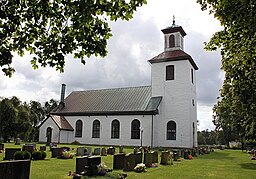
51 29
237 42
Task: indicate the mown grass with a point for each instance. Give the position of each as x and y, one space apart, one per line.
226 164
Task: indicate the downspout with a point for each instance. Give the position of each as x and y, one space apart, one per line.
152 133
59 136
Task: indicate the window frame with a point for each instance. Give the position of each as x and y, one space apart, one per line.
79 128
135 129
115 129
171 41
170 72
171 130
96 129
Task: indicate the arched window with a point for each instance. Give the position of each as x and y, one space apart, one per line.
135 129
171 130
79 128
115 129
96 129
171 41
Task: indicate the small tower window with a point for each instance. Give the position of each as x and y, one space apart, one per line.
171 41
192 76
170 72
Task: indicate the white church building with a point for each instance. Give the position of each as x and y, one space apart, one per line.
163 114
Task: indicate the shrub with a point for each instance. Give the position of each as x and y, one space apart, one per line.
67 155
43 155
37 155
18 155
26 155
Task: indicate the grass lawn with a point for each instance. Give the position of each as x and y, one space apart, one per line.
223 164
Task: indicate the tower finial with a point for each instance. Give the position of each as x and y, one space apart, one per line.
173 20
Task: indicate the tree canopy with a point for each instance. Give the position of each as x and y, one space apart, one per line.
51 29
236 109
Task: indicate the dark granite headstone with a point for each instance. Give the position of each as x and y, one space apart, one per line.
154 157
186 154
118 161
9 153
81 162
165 158
1 146
129 162
103 152
17 141
138 158
80 151
135 150
56 152
32 144
175 155
92 163
96 151
42 148
111 150
148 159
88 151
52 145
28 148
17 169
121 149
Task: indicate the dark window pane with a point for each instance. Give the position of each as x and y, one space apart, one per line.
171 130
135 129
79 128
96 129
115 128
171 41
170 72
192 75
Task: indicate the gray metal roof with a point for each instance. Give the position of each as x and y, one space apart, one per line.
132 100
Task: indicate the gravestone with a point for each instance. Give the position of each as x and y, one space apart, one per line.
118 161
165 158
56 152
17 141
129 162
186 153
121 149
17 169
148 159
28 148
9 153
81 162
32 144
88 151
91 169
42 148
52 145
96 151
154 157
138 158
80 151
175 155
111 150
135 150
103 152
1 146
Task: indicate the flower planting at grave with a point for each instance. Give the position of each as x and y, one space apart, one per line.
140 167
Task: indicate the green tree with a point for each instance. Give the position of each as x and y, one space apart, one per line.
50 30
237 42
50 105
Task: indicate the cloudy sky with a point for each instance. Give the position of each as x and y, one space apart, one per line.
132 45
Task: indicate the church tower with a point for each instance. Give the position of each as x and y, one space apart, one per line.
173 76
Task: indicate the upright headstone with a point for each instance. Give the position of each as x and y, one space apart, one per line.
52 145
186 154
96 151
121 149
92 168
28 148
103 152
89 151
118 161
129 162
165 158
16 169
154 157
9 153
42 148
111 150
80 151
138 158
135 150
148 159
17 141
56 152
175 155
81 162
1 146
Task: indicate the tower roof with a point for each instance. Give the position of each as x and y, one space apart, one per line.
173 56
174 28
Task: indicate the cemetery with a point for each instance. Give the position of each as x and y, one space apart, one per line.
83 161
